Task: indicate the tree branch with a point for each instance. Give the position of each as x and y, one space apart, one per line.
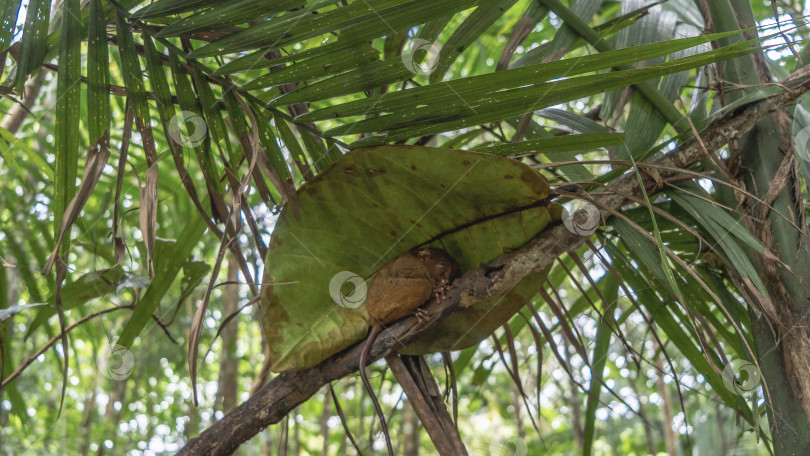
273 401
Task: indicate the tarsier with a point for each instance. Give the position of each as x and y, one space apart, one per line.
398 289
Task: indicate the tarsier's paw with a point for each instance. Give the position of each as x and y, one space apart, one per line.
439 292
421 315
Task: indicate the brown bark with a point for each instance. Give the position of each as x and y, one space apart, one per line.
423 393
410 431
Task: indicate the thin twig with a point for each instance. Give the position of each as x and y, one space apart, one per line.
54 339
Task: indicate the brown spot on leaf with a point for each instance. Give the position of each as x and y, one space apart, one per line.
538 183
413 167
350 170
273 316
393 233
508 176
374 172
466 163
310 189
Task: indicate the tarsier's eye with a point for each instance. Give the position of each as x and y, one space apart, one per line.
441 265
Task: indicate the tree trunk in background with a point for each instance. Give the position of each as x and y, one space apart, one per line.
360 412
17 114
296 451
343 444
327 413
666 409
517 403
6 333
90 412
111 415
266 448
576 410
284 435
410 431
228 361
192 426
648 429
782 339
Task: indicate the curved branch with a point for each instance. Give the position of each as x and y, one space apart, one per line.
13 376
273 401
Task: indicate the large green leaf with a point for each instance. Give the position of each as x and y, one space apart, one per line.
374 204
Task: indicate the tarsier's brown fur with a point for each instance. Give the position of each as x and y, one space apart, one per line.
398 289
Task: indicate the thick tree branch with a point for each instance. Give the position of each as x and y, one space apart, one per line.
413 374
287 390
